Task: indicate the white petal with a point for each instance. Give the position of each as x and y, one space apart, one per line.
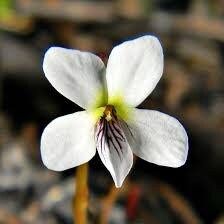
157 138
134 68
68 141
114 150
79 76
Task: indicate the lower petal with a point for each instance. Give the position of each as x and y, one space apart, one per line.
68 141
157 138
114 149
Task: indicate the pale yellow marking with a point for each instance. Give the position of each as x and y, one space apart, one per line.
108 117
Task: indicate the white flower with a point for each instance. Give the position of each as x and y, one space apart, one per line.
111 124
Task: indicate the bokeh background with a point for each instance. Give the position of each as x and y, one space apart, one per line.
191 89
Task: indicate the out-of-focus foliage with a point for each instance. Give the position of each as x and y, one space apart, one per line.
5 7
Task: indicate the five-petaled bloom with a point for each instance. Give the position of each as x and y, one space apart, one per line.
111 124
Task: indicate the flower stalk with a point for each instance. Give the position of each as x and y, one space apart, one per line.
108 203
80 202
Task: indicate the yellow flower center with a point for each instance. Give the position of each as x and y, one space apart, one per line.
116 105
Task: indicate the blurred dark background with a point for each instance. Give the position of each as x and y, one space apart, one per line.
191 89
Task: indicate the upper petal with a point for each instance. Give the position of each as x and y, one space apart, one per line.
134 68
68 141
114 149
79 76
157 138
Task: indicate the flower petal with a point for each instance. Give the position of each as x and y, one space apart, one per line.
134 68
113 149
68 141
157 138
79 76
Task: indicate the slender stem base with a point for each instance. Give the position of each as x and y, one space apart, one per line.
80 202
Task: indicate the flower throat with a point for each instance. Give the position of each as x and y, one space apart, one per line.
109 132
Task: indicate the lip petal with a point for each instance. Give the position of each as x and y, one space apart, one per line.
113 149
